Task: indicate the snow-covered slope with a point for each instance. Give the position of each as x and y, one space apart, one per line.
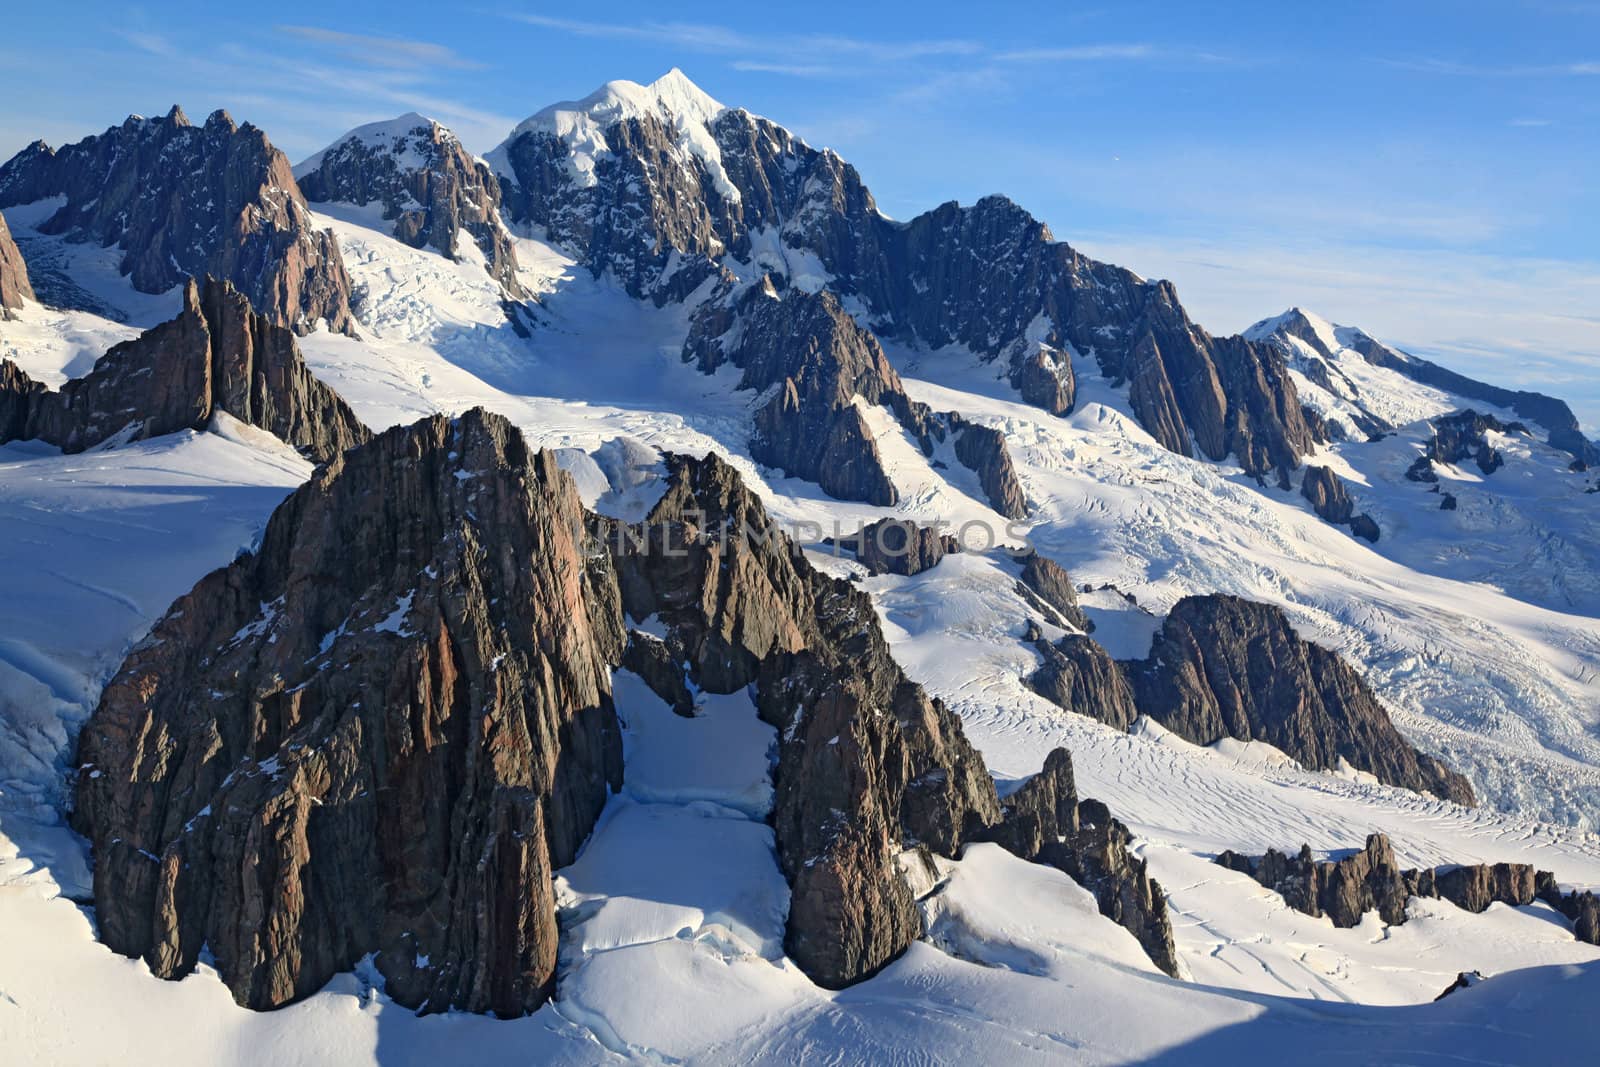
1476 626
673 98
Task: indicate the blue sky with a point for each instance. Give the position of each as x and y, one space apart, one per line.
1429 171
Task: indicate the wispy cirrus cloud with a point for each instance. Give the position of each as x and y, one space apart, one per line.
816 55
1430 65
398 53
704 37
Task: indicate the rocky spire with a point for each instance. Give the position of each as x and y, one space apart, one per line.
434 191
216 357
14 286
185 201
376 734
1330 499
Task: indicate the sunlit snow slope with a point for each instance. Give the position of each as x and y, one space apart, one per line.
1476 626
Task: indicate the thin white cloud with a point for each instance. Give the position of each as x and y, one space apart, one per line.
793 70
153 43
1426 65
703 37
1532 122
1082 52
394 52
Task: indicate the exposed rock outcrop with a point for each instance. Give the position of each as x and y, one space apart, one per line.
380 732
983 450
817 367
1078 675
1226 667
185 201
1371 880
1463 436
432 189
899 546
1343 890
14 286
376 734
1330 499
216 357
1043 820
815 360
1048 586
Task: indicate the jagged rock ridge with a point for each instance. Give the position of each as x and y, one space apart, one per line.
1225 667
380 732
1554 415
216 357
1371 880
14 286
1043 820
429 185
1462 436
658 184
186 201
899 546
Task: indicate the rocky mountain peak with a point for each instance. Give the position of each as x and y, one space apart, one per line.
430 187
182 201
1222 667
401 724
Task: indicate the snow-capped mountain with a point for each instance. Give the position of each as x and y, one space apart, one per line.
433 191
431 725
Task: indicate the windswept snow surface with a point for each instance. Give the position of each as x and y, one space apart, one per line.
1476 626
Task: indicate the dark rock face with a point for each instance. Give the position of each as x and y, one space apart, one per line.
660 216
217 356
983 450
815 360
898 546
187 201
14 286
1044 821
1330 498
1584 911
1371 880
868 763
1078 675
377 734
1460 437
1046 583
430 187
1226 667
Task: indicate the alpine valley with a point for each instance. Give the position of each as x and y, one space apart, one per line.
625 598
